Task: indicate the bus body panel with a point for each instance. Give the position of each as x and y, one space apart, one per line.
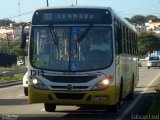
127 70
107 96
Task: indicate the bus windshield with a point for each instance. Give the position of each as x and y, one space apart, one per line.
66 48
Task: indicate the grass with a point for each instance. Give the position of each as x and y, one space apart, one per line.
155 108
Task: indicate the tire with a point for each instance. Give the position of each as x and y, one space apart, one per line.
26 91
148 67
113 108
130 95
49 107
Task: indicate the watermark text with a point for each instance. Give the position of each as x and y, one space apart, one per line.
9 117
145 117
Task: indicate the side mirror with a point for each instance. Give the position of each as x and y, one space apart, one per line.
23 36
23 40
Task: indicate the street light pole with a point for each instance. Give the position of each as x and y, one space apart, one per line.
76 2
47 3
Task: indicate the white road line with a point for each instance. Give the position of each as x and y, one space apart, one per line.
137 99
21 95
42 109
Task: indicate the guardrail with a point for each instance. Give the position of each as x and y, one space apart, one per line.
11 72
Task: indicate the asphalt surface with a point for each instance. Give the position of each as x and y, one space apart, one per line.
14 105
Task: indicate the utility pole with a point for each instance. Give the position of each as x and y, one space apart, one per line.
7 38
47 3
19 9
76 2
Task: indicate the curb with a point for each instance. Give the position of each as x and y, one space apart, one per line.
11 83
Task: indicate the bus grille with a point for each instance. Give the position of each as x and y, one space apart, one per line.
69 79
70 96
73 87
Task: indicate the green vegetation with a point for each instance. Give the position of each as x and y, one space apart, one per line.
148 42
140 19
5 22
155 108
12 47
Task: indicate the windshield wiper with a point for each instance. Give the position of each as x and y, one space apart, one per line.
81 37
54 35
54 38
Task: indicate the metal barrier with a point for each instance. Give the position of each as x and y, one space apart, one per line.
11 72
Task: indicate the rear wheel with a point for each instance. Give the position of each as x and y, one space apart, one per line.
148 67
49 107
130 95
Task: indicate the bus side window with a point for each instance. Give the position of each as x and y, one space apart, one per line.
118 38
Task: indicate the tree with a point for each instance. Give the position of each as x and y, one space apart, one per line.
138 19
147 42
6 22
152 17
15 48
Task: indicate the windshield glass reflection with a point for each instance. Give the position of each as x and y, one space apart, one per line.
71 48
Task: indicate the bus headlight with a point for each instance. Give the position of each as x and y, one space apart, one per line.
35 81
103 83
39 84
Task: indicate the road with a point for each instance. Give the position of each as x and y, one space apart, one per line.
13 103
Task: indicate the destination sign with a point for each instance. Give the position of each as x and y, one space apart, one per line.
72 16
55 17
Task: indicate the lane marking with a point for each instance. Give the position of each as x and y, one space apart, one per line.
137 99
21 95
42 109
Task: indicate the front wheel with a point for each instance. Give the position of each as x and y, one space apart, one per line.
113 108
26 91
130 95
49 107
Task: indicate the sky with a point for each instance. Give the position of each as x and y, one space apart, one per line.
127 8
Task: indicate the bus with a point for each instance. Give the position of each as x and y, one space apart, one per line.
81 56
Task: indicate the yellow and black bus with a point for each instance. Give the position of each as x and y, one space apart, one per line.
81 56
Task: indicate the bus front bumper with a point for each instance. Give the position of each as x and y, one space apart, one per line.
108 96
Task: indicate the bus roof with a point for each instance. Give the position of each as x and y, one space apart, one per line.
70 7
